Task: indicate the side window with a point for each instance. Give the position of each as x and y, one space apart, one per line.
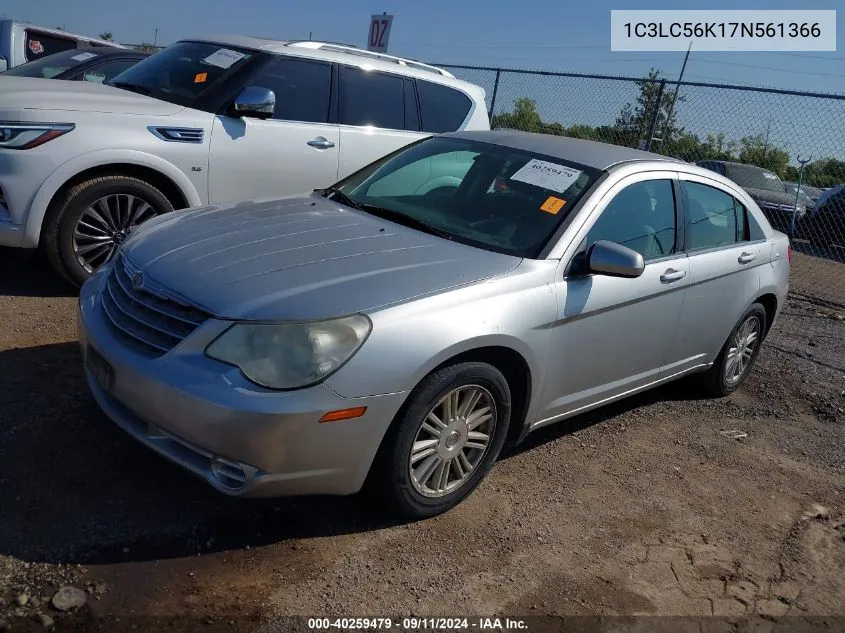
40 45
303 89
437 175
108 71
715 218
443 109
369 98
641 217
412 115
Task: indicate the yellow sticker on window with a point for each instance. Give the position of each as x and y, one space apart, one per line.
552 205
200 78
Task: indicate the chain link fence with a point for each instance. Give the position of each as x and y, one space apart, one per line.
766 140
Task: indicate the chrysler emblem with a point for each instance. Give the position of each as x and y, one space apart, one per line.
138 281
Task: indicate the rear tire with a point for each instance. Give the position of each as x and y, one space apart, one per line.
77 246
426 437
736 359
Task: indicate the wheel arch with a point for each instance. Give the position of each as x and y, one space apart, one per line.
163 175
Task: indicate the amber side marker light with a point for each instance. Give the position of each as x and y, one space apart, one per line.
343 414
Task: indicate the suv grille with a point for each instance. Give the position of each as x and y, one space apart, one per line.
149 321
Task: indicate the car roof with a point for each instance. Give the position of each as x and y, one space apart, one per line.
590 153
334 52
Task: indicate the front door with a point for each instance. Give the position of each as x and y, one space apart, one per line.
291 153
612 334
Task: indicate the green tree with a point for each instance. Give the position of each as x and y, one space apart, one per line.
754 150
146 47
634 121
524 117
106 36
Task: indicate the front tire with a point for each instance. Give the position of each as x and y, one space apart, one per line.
734 363
85 228
445 440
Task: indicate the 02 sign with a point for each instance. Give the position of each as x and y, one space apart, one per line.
379 33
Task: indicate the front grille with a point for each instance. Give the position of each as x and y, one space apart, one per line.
150 322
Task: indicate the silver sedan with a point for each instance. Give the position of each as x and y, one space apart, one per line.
398 328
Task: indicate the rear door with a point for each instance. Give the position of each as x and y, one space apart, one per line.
723 261
378 114
293 152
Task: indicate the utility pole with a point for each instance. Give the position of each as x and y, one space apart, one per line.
766 142
674 98
155 38
798 193
310 33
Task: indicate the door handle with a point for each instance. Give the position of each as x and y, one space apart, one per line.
320 143
746 257
672 275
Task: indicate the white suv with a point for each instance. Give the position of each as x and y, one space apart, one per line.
205 121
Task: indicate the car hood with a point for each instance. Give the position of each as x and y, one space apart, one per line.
24 94
772 197
300 258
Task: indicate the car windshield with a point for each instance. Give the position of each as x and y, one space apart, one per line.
52 65
182 72
755 177
489 196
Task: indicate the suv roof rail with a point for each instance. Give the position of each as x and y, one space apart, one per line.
353 50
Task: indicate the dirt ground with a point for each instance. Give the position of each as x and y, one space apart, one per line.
649 507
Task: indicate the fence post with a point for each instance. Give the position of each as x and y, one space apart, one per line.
495 90
655 115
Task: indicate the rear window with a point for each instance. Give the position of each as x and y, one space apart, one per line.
40 45
443 109
755 177
369 98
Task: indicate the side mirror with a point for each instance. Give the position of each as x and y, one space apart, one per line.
255 101
614 260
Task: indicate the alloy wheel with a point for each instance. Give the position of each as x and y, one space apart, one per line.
452 440
104 225
741 350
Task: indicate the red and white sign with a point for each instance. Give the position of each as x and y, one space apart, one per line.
36 47
379 33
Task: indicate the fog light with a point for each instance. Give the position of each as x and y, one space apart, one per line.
228 474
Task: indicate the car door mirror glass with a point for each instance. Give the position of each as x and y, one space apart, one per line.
255 101
615 260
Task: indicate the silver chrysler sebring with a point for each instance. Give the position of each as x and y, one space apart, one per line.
398 328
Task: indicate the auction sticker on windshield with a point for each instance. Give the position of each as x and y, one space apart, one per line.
547 175
83 57
224 58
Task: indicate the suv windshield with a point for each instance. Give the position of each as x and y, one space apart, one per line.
754 177
182 72
52 65
489 196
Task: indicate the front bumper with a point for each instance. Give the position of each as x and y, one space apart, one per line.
243 439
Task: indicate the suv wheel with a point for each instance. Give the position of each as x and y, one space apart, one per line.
84 230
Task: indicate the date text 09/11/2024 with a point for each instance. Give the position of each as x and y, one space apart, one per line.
418 623
722 29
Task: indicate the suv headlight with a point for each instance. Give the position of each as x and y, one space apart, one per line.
16 135
290 355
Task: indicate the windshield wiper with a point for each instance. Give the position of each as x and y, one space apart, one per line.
141 90
385 214
339 196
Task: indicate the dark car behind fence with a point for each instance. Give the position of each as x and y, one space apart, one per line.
697 121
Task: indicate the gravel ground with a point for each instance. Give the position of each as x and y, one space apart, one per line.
645 507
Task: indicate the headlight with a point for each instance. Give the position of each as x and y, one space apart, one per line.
14 135
290 355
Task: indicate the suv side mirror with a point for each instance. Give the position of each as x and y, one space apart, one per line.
614 260
255 101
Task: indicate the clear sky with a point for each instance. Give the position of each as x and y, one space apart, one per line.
556 35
